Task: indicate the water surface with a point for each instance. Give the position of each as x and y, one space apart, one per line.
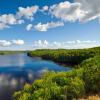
17 69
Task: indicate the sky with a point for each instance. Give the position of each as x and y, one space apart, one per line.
37 24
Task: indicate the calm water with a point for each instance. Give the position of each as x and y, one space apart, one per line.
17 69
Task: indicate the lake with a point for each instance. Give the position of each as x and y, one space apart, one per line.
18 69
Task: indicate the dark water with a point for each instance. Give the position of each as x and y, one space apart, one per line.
17 69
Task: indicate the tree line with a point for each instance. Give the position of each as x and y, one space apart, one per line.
73 57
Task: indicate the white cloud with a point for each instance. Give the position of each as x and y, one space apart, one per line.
2 26
41 43
67 11
79 10
77 44
29 27
6 20
58 44
46 42
91 7
18 42
21 21
9 19
88 41
45 27
5 43
70 42
78 41
27 12
45 8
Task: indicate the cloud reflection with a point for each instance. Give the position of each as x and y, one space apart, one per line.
18 60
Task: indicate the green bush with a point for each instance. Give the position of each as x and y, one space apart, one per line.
91 74
53 87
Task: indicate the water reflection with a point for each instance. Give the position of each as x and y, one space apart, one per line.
12 60
17 69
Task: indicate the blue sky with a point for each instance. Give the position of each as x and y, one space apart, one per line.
32 24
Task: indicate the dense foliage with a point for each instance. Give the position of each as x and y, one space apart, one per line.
66 85
92 74
75 56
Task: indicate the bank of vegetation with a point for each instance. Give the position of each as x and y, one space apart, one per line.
77 83
11 52
73 57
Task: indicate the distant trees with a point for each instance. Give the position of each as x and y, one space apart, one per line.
11 52
72 57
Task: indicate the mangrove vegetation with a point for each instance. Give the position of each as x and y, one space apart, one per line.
73 57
